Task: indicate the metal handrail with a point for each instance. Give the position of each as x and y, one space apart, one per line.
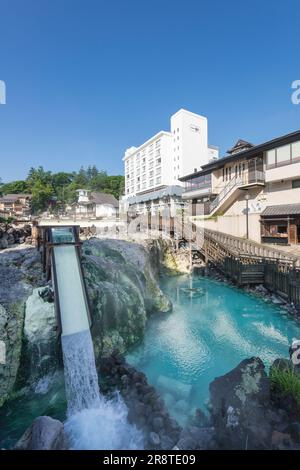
232 183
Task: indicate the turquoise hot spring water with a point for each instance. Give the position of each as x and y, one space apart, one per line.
212 328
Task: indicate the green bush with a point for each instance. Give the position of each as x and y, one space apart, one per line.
286 381
6 220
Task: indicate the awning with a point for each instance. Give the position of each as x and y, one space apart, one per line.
165 192
281 210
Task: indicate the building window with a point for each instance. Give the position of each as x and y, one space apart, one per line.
283 154
151 173
223 174
158 161
296 184
151 182
296 151
158 171
158 180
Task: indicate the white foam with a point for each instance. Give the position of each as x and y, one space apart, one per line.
103 428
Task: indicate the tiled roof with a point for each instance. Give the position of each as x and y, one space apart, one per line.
104 198
14 197
283 209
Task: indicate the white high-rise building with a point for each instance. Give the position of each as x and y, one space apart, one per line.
164 158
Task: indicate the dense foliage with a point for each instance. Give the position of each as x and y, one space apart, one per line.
60 188
287 381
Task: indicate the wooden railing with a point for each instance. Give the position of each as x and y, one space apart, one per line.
243 246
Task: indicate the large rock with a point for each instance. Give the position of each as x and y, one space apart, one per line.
45 433
240 403
13 234
20 272
40 334
123 290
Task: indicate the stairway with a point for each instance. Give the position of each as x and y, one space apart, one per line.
227 196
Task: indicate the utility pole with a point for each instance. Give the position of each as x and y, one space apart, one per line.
247 197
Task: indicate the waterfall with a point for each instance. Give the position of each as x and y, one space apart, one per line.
93 423
81 379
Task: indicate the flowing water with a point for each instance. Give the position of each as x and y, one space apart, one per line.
211 329
93 421
81 380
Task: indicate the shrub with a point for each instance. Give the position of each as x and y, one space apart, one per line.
286 381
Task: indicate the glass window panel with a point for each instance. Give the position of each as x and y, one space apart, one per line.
296 150
271 157
283 154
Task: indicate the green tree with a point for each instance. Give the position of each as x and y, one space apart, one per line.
38 175
41 196
14 187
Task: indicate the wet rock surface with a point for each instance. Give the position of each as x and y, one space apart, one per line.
20 273
246 415
145 407
45 433
123 290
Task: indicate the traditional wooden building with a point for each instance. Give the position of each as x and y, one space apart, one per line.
253 191
15 205
281 224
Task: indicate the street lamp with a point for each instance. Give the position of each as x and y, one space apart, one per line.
247 197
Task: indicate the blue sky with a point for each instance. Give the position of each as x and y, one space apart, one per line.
88 78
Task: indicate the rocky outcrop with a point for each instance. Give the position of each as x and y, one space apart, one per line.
247 413
240 402
10 235
40 335
123 290
45 433
20 272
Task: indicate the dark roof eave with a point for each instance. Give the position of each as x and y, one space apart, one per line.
285 139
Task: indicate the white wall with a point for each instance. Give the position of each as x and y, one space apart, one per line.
235 225
283 172
105 210
189 133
